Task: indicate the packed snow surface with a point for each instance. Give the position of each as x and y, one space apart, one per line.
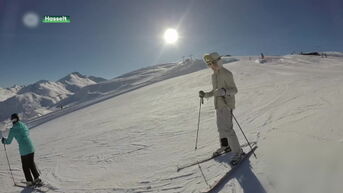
291 106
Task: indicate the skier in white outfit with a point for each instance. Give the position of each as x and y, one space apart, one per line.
224 90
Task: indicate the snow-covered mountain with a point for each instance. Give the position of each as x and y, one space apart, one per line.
96 93
291 106
134 80
6 93
76 89
38 98
54 90
75 81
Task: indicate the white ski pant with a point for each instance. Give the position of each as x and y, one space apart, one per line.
225 129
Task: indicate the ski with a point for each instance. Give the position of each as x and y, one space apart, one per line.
179 168
227 174
41 188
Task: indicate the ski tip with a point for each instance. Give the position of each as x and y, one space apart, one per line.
178 168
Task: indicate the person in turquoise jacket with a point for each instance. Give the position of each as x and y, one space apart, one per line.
20 132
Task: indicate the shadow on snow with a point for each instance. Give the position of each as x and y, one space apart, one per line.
244 175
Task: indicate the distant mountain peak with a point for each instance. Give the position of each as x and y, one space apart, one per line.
42 82
15 87
78 75
71 76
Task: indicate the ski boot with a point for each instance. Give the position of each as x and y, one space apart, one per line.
37 182
221 150
29 183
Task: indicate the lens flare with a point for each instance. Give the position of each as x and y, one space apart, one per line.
31 20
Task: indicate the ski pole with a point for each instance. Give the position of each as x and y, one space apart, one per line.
243 134
196 139
9 165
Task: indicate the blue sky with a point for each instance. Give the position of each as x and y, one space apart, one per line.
109 38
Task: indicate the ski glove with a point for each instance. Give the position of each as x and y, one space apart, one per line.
201 94
3 140
231 92
220 92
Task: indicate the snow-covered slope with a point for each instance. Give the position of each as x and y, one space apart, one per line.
291 106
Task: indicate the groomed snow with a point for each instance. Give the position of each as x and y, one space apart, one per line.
291 106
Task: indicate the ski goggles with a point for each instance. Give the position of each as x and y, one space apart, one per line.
209 60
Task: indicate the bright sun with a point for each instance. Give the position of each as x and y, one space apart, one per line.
171 36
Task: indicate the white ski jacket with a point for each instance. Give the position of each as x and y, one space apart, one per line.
223 79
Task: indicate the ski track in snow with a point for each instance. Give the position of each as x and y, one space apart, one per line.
291 106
